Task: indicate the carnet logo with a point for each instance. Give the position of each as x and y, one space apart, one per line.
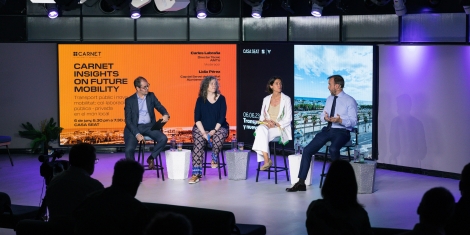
87 53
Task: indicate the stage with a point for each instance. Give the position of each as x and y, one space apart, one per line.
392 205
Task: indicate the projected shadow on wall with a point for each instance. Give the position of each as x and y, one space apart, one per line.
407 138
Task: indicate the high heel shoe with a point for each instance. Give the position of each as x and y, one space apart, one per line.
267 165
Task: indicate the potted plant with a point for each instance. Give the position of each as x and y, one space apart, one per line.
48 132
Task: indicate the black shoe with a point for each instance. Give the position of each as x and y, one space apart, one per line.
297 187
151 164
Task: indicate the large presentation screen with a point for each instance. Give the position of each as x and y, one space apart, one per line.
313 64
95 79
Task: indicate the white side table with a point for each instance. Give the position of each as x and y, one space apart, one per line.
177 164
237 162
294 167
365 176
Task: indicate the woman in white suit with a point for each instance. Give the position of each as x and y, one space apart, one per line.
275 121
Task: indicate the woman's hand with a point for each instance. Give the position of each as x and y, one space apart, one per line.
212 132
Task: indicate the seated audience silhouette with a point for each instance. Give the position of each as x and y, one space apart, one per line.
169 223
460 223
435 211
114 210
338 212
68 189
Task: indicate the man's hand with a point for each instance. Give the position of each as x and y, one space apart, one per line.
212 132
336 119
140 137
165 118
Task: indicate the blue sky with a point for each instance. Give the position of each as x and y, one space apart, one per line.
313 64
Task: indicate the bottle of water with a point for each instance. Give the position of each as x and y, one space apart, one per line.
234 143
173 143
357 153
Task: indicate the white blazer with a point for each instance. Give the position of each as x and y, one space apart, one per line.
284 118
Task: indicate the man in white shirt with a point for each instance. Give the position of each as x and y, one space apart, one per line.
341 114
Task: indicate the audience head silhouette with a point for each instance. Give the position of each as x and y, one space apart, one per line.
340 184
464 184
436 207
169 223
127 175
83 156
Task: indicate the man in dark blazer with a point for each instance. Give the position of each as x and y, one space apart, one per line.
140 117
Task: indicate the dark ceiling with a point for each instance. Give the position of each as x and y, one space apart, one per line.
273 8
13 20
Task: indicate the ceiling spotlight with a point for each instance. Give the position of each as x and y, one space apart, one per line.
256 7
466 9
201 10
135 12
316 10
52 10
257 11
318 5
135 6
400 8
466 5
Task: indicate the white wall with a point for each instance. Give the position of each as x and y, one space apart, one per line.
424 107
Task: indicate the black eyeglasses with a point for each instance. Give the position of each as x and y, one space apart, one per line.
145 87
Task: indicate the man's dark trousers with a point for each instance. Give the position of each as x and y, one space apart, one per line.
338 137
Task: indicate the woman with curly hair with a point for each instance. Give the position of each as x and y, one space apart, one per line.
210 122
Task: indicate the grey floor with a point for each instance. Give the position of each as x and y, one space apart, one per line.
392 205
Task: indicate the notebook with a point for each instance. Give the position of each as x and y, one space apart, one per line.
158 125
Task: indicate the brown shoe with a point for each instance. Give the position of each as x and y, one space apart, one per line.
214 164
151 164
194 179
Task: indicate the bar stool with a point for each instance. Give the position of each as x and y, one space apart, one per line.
274 168
348 145
158 166
206 164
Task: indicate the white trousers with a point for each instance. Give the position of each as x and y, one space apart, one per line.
263 136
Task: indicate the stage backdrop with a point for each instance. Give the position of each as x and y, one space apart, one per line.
95 79
257 63
424 119
313 65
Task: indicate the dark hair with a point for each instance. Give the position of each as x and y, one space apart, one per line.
169 223
464 184
270 83
437 206
82 155
338 80
340 186
127 174
205 84
138 80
